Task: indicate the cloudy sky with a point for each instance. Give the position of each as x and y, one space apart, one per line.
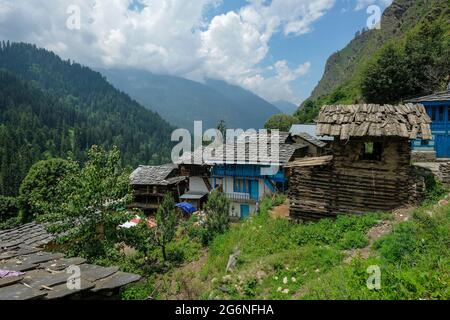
276 48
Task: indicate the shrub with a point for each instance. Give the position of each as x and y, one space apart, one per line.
217 211
8 208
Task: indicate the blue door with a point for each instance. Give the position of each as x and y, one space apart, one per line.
254 189
442 145
245 211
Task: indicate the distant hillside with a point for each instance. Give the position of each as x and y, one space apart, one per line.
55 108
183 101
285 106
341 82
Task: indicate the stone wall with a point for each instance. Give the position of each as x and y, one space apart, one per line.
423 156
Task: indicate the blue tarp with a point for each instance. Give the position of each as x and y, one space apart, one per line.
186 207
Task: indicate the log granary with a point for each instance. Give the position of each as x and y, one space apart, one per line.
369 168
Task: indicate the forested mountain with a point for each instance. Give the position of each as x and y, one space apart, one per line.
412 43
183 101
55 108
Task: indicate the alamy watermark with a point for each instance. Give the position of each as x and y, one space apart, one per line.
374 280
73 22
374 20
74 280
239 146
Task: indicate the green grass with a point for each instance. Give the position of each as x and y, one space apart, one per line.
273 250
281 260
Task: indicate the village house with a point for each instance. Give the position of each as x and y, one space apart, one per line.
369 168
242 174
151 183
438 108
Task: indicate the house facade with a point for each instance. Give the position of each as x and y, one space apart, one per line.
242 170
249 175
151 183
438 109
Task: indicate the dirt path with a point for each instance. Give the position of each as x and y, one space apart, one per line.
281 211
376 232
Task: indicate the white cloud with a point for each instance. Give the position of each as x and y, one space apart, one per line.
171 36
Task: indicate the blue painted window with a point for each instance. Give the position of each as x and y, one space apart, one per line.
240 185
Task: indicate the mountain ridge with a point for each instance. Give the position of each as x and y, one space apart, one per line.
211 102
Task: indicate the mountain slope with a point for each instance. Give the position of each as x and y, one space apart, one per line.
183 101
344 71
55 108
285 106
396 21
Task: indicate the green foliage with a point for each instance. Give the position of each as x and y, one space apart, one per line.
386 79
418 66
419 63
217 211
434 189
308 112
94 204
282 122
413 260
140 291
52 108
167 220
8 208
40 191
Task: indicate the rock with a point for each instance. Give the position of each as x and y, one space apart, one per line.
285 291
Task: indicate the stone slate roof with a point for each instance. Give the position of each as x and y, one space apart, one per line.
407 121
440 96
241 152
311 139
310 129
156 175
46 275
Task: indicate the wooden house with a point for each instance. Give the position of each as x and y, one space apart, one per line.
369 168
239 171
151 183
438 108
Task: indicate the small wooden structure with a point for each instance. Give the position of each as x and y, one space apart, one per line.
152 183
369 169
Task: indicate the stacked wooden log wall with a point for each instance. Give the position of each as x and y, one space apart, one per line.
353 186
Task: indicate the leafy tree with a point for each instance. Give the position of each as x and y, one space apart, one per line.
167 221
8 208
217 210
427 54
386 79
40 191
95 199
308 112
282 122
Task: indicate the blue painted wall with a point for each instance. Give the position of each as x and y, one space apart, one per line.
439 112
245 171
